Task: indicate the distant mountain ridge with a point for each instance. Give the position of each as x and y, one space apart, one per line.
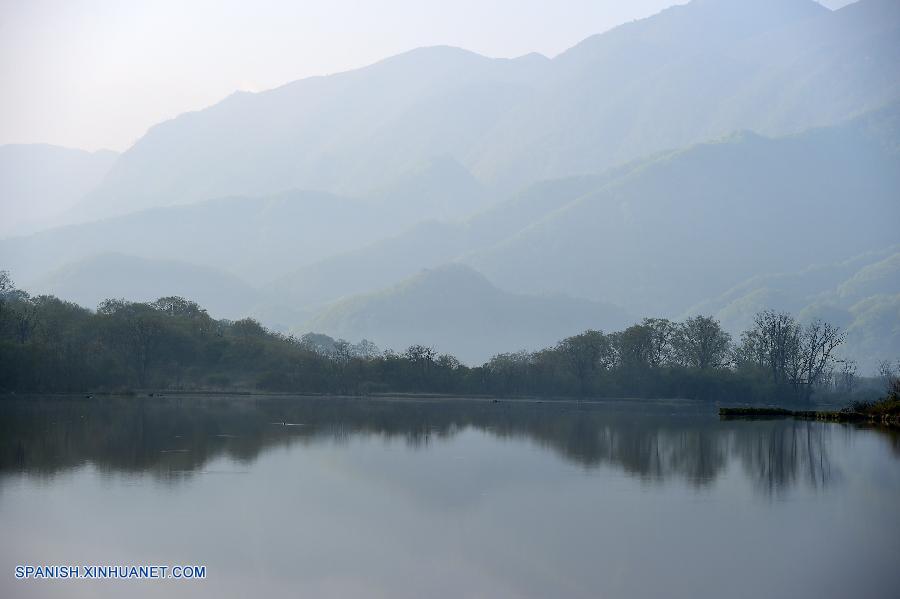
90 281
458 311
255 238
860 294
662 233
658 235
688 74
669 166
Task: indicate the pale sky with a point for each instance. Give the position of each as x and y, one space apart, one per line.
97 73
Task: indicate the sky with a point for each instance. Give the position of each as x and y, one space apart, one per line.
95 74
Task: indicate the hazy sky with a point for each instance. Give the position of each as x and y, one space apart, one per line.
97 73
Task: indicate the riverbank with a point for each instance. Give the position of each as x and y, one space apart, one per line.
877 417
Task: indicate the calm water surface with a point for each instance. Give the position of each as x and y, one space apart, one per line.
471 498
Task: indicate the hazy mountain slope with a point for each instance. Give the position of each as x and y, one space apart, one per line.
458 311
373 266
882 277
90 281
353 132
873 334
254 238
725 201
438 188
38 182
688 74
668 81
839 285
425 245
861 295
686 225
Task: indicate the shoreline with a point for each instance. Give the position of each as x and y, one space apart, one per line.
822 415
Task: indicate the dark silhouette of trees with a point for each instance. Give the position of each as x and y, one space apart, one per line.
47 344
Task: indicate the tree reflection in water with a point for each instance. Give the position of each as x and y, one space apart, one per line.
170 438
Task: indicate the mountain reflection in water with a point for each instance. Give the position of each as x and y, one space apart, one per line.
174 437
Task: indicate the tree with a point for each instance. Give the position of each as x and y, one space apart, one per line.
634 347
448 362
814 360
317 343
6 289
420 360
586 354
794 356
135 329
248 328
366 350
771 344
420 355
178 306
24 315
702 343
342 352
662 338
845 378
886 371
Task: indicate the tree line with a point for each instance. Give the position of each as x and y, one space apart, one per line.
48 344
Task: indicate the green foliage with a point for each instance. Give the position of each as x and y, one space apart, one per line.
47 344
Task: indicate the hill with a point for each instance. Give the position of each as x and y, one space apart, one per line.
88 282
460 312
255 238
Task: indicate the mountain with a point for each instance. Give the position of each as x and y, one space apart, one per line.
683 226
860 294
352 133
438 188
88 282
427 244
458 311
659 235
662 233
39 182
255 238
688 74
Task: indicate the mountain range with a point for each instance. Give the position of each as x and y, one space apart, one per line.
691 73
670 166
39 183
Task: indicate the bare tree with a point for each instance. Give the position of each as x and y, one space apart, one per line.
797 356
772 343
845 377
814 359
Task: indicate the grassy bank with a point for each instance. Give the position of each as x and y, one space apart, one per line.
885 412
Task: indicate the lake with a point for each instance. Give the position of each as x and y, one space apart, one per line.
343 497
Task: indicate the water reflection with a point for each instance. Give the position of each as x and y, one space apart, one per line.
175 437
